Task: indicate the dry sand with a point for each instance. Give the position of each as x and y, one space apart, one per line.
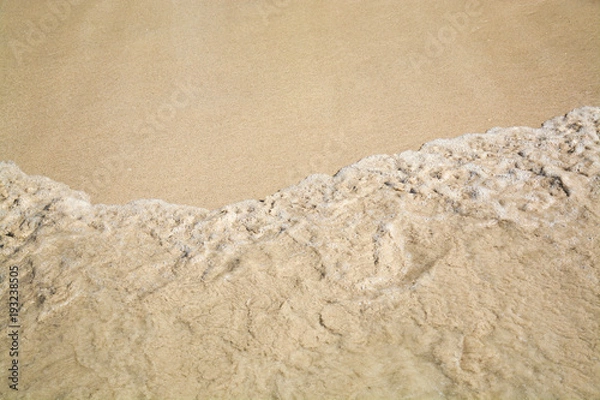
468 269
207 103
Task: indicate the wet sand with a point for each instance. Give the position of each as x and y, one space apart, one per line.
209 104
466 270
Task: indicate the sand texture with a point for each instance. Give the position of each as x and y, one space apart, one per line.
207 103
467 269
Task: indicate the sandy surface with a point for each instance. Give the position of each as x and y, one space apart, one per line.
207 103
467 270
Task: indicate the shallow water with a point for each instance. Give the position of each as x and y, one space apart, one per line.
469 269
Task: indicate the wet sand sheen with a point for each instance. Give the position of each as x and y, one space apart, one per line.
208 104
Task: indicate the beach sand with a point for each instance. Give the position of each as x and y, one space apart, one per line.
211 103
466 270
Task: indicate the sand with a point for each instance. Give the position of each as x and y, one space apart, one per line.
211 103
469 269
